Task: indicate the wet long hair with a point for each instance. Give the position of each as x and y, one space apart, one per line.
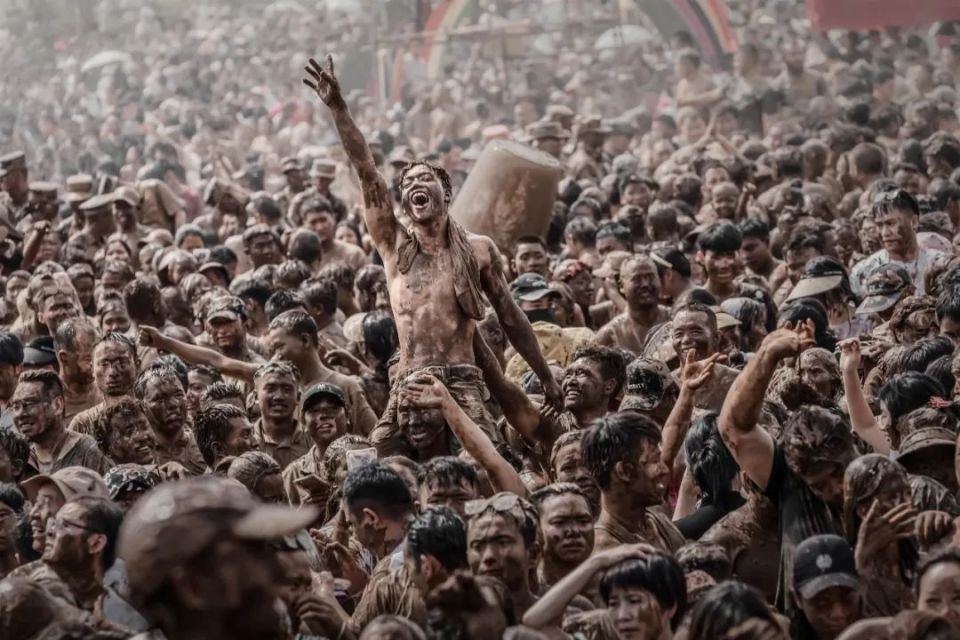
709 461
724 607
862 480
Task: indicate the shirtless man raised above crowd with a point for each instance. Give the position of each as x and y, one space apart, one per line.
437 272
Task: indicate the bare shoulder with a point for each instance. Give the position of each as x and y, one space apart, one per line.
485 250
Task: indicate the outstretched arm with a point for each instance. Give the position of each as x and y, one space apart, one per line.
151 337
378 208
548 610
695 374
428 392
861 416
516 325
752 446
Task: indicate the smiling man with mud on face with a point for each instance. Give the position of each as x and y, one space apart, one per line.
437 274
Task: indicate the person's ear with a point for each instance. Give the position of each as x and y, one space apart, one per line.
369 517
608 387
427 567
699 258
57 404
534 552
623 471
96 543
217 450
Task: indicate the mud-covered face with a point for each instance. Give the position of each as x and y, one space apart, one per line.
421 194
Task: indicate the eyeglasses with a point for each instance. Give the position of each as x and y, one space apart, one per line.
55 525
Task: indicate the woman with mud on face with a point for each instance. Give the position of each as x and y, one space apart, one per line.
643 590
879 521
715 473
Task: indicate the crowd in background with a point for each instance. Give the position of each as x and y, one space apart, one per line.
256 382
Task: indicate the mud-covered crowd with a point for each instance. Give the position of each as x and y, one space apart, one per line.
257 382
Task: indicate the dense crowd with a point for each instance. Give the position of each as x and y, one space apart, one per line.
256 382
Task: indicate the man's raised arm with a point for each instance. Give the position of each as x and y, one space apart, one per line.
752 447
378 208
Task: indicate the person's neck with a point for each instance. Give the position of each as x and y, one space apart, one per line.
85 583
645 316
622 511
522 598
350 307
280 429
909 254
47 442
110 400
432 235
73 388
328 244
166 437
766 267
237 351
8 562
436 449
554 569
311 368
324 320
585 415
720 289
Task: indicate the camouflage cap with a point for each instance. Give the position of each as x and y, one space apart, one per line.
226 308
176 521
884 287
648 381
124 478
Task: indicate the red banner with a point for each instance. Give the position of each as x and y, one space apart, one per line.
862 15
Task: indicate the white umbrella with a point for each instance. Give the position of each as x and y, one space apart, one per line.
105 58
284 6
625 35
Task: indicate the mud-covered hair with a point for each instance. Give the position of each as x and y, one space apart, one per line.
439 171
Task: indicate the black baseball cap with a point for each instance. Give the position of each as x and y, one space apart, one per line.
39 352
530 287
323 390
823 562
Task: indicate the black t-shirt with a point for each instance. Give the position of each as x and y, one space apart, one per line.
696 524
802 515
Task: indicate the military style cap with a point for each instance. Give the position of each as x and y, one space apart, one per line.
46 188
176 521
129 477
99 201
323 168
594 124
79 187
13 160
544 130
648 381
126 193
291 164
226 308
72 482
883 287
